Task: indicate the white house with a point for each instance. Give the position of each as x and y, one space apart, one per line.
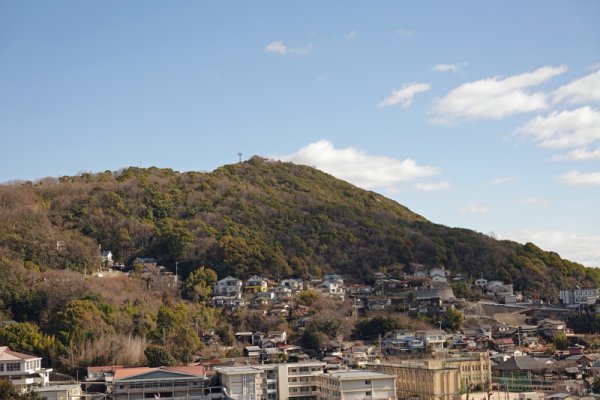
23 370
60 392
229 286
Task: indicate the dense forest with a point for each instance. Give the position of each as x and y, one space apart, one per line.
256 217
259 216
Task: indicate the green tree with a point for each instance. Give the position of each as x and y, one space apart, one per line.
560 341
158 356
26 337
370 328
198 285
80 320
174 332
453 319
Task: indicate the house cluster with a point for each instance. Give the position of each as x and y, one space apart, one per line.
503 292
276 298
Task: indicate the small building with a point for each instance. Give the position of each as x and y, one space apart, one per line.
60 392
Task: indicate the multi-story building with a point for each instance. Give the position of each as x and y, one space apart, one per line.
23 370
289 381
440 379
256 284
189 383
576 297
229 286
355 385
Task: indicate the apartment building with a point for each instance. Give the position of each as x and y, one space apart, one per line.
289 381
23 370
355 385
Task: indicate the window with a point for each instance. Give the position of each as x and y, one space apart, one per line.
368 393
13 366
367 382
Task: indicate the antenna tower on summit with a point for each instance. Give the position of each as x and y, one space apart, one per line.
240 156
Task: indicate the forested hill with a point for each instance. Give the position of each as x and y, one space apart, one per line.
258 216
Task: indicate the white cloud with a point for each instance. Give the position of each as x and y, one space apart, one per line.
582 90
350 35
501 181
405 32
496 98
357 167
446 67
561 129
576 178
430 187
280 48
405 94
579 155
533 201
476 208
580 248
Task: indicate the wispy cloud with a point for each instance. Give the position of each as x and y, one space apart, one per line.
405 94
280 48
582 90
476 208
404 32
430 187
448 67
533 201
563 129
576 178
581 154
350 35
584 249
501 181
357 167
496 97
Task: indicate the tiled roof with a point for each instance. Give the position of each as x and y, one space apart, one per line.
7 354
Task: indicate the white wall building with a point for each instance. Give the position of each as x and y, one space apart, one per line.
229 286
271 381
355 385
23 370
575 297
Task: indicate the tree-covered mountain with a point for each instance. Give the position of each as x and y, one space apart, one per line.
259 216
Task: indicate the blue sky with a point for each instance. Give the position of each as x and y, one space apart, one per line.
478 115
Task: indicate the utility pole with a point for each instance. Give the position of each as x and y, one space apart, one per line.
176 276
240 156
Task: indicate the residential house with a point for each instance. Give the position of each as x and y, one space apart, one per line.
256 284
551 327
438 274
23 370
277 336
374 303
228 286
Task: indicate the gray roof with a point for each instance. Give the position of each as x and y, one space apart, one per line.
520 363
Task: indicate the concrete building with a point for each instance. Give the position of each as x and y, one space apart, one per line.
23 370
190 383
289 381
355 385
575 297
441 378
60 392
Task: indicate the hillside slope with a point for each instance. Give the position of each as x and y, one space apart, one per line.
259 216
